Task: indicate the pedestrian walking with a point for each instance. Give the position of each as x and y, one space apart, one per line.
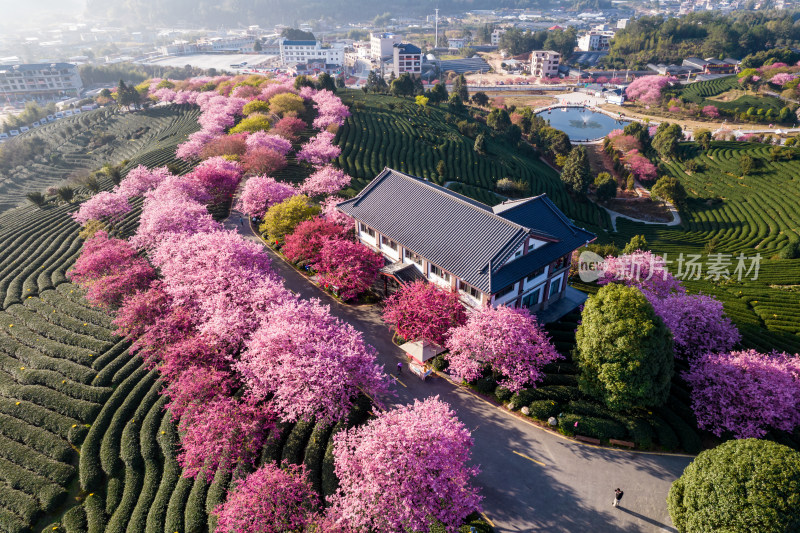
241 221
617 497
399 368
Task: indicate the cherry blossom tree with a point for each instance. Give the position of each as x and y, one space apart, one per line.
782 78
424 311
346 267
270 500
330 110
234 144
141 310
746 393
141 179
319 150
263 160
509 341
102 206
218 176
697 322
110 270
274 89
309 363
262 139
711 111
305 242
289 128
641 167
333 214
221 434
191 148
262 192
403 468
196 386
623 143
164 217
326 180
644 270
647 89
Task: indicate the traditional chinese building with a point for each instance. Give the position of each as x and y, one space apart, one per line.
516 253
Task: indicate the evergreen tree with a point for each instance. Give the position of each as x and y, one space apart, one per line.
325 82
480 144
460 88
576 173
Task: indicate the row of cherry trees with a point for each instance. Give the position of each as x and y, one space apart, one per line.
239 353
743 393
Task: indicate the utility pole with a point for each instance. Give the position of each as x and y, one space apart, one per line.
436 31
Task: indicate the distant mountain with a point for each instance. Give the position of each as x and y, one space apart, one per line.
212 13
14 14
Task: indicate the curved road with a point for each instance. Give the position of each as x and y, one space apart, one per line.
531 479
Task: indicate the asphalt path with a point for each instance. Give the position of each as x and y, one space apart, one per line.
531 479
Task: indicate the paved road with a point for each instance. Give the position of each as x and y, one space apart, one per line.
531 479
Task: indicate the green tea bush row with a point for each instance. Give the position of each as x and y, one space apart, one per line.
35 359
49 494
171 473
19 454
35 438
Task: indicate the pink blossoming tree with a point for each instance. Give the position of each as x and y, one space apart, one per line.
697 322
263 160
326 180
644 270
333 214
347 267
711 111
270 500
509 341
305 242
262 139
289 128
102 206
746 393
424 311
403 468
309 362
141 179
218 176
164 217
319 150
641 167
262 192
221 434
647 89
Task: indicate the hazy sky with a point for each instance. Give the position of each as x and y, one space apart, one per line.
14 13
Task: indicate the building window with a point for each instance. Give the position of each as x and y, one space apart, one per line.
439 273
472 291
414 258
369 231
505 292
535 275
531 299
555 287
389 243
561 262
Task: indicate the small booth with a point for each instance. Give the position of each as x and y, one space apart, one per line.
420 352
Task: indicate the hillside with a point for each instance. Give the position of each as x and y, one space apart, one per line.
395 132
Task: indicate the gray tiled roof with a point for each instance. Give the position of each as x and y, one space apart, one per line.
461 235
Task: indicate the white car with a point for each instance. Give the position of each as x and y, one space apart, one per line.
3 136
14 133
36 124
23 129
68 113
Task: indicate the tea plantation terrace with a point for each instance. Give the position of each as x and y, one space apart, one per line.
516 253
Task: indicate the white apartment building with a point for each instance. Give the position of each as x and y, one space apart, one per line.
496 34
39 81
544 63
381 44
594 41
456 44
407 58
293 52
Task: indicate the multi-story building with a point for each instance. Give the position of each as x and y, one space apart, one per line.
712 65
381 44
456 44
294 52
496 34
517 253
407 58
544 63
595 41
39 81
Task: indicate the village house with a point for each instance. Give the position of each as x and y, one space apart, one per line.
516 253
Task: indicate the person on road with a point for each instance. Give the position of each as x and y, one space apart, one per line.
617 497
241 221
399 368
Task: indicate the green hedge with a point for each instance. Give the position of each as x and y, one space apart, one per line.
195 519
315 453
95 506
177 505
544 409
23 505
687 436
664 434
36 438
329 480
216 495
48 493
589 426
296 442
167 439
19 454
74 520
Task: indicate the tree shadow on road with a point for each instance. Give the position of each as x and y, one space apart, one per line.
666 467
656 523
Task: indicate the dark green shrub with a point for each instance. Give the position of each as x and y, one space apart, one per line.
486 386
640 431
687 436
329 480
544 409
272 449
503 394
296 442
738 487
74 520
665 435
589 426
177 505
315 453
195 519
216 495
114 489
77 433
569 380
440 363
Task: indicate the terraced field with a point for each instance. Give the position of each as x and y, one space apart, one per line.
699 91
743 215
67 152
395 132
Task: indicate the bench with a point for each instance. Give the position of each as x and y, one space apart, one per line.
626 443
590 440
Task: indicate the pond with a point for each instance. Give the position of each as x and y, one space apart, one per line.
581 124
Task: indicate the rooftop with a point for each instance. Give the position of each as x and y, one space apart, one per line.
465 237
